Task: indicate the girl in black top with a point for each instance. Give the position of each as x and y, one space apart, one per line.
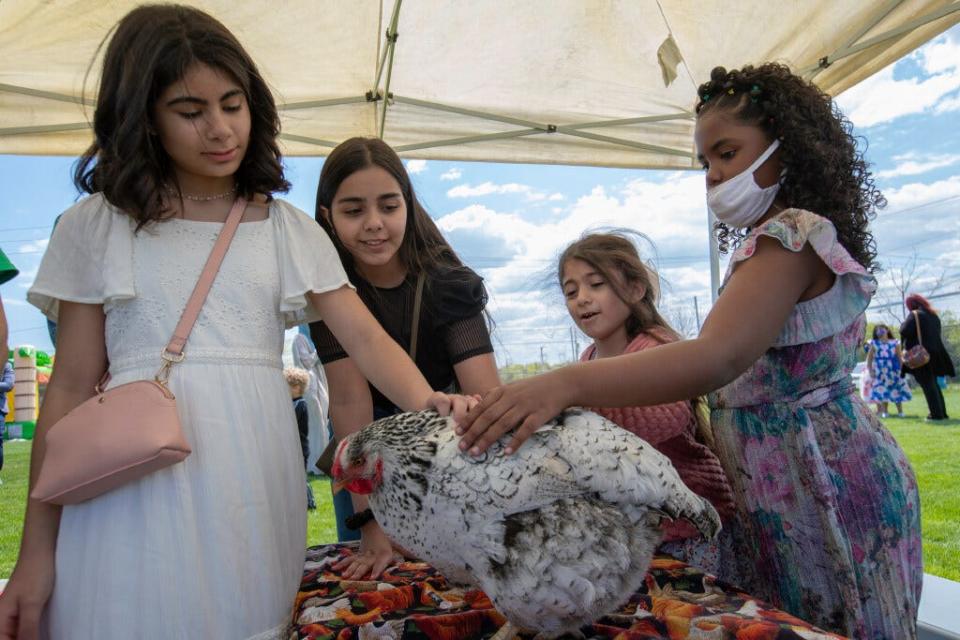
387 242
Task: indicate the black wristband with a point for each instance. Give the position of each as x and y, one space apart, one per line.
357 520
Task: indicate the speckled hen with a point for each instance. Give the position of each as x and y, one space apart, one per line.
557 534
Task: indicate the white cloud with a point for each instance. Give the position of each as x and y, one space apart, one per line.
416 166
486 189
671 212
947 104
910 164
920 194
490 188
451 174
882 98
37 246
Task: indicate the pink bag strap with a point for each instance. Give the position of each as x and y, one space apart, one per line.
207 276
173 352
916 318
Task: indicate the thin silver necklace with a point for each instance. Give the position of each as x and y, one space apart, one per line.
204 198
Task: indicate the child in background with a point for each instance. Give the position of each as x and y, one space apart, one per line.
298 380
884 360
7 272
612 296
212 547
828 516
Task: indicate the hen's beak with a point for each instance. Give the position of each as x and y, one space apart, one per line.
338 486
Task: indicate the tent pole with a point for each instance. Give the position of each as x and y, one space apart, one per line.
383 56
391 48
714 257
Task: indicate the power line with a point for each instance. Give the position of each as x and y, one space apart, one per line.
922 205
46 226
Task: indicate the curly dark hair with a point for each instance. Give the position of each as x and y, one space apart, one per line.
825 170
151 48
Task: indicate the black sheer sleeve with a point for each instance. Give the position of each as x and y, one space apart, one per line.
456 294
465 339
327 345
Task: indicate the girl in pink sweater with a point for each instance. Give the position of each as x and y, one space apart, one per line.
611 296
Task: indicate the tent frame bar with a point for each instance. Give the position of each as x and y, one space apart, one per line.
308 140
826 61
531 128
44 128
315 104
49 95
467 140
891 5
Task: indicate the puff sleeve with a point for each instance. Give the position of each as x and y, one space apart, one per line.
308 263
89 258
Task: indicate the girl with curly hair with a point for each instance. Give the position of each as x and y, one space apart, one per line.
827 521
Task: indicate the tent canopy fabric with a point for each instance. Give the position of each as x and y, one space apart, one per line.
590 82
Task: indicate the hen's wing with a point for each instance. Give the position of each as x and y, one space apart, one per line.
625 470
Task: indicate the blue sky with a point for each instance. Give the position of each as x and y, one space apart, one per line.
510 221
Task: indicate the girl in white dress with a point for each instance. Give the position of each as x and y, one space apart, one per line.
212 547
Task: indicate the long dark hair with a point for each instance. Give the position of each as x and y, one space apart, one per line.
423 248
825 170
616 258
152 47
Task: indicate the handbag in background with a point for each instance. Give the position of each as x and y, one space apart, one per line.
917 356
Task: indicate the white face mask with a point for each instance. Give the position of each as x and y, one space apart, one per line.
740 201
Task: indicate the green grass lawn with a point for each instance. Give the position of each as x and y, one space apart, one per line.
933 449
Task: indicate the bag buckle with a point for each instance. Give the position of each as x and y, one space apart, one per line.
169 359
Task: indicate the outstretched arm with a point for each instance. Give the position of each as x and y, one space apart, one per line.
746 319
378 357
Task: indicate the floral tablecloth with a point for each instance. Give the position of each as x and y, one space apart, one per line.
413 601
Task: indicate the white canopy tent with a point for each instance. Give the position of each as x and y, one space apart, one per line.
589 82
550 81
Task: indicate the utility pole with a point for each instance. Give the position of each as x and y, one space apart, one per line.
696 311
573 346
542 359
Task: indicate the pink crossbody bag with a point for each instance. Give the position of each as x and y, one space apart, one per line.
127 432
